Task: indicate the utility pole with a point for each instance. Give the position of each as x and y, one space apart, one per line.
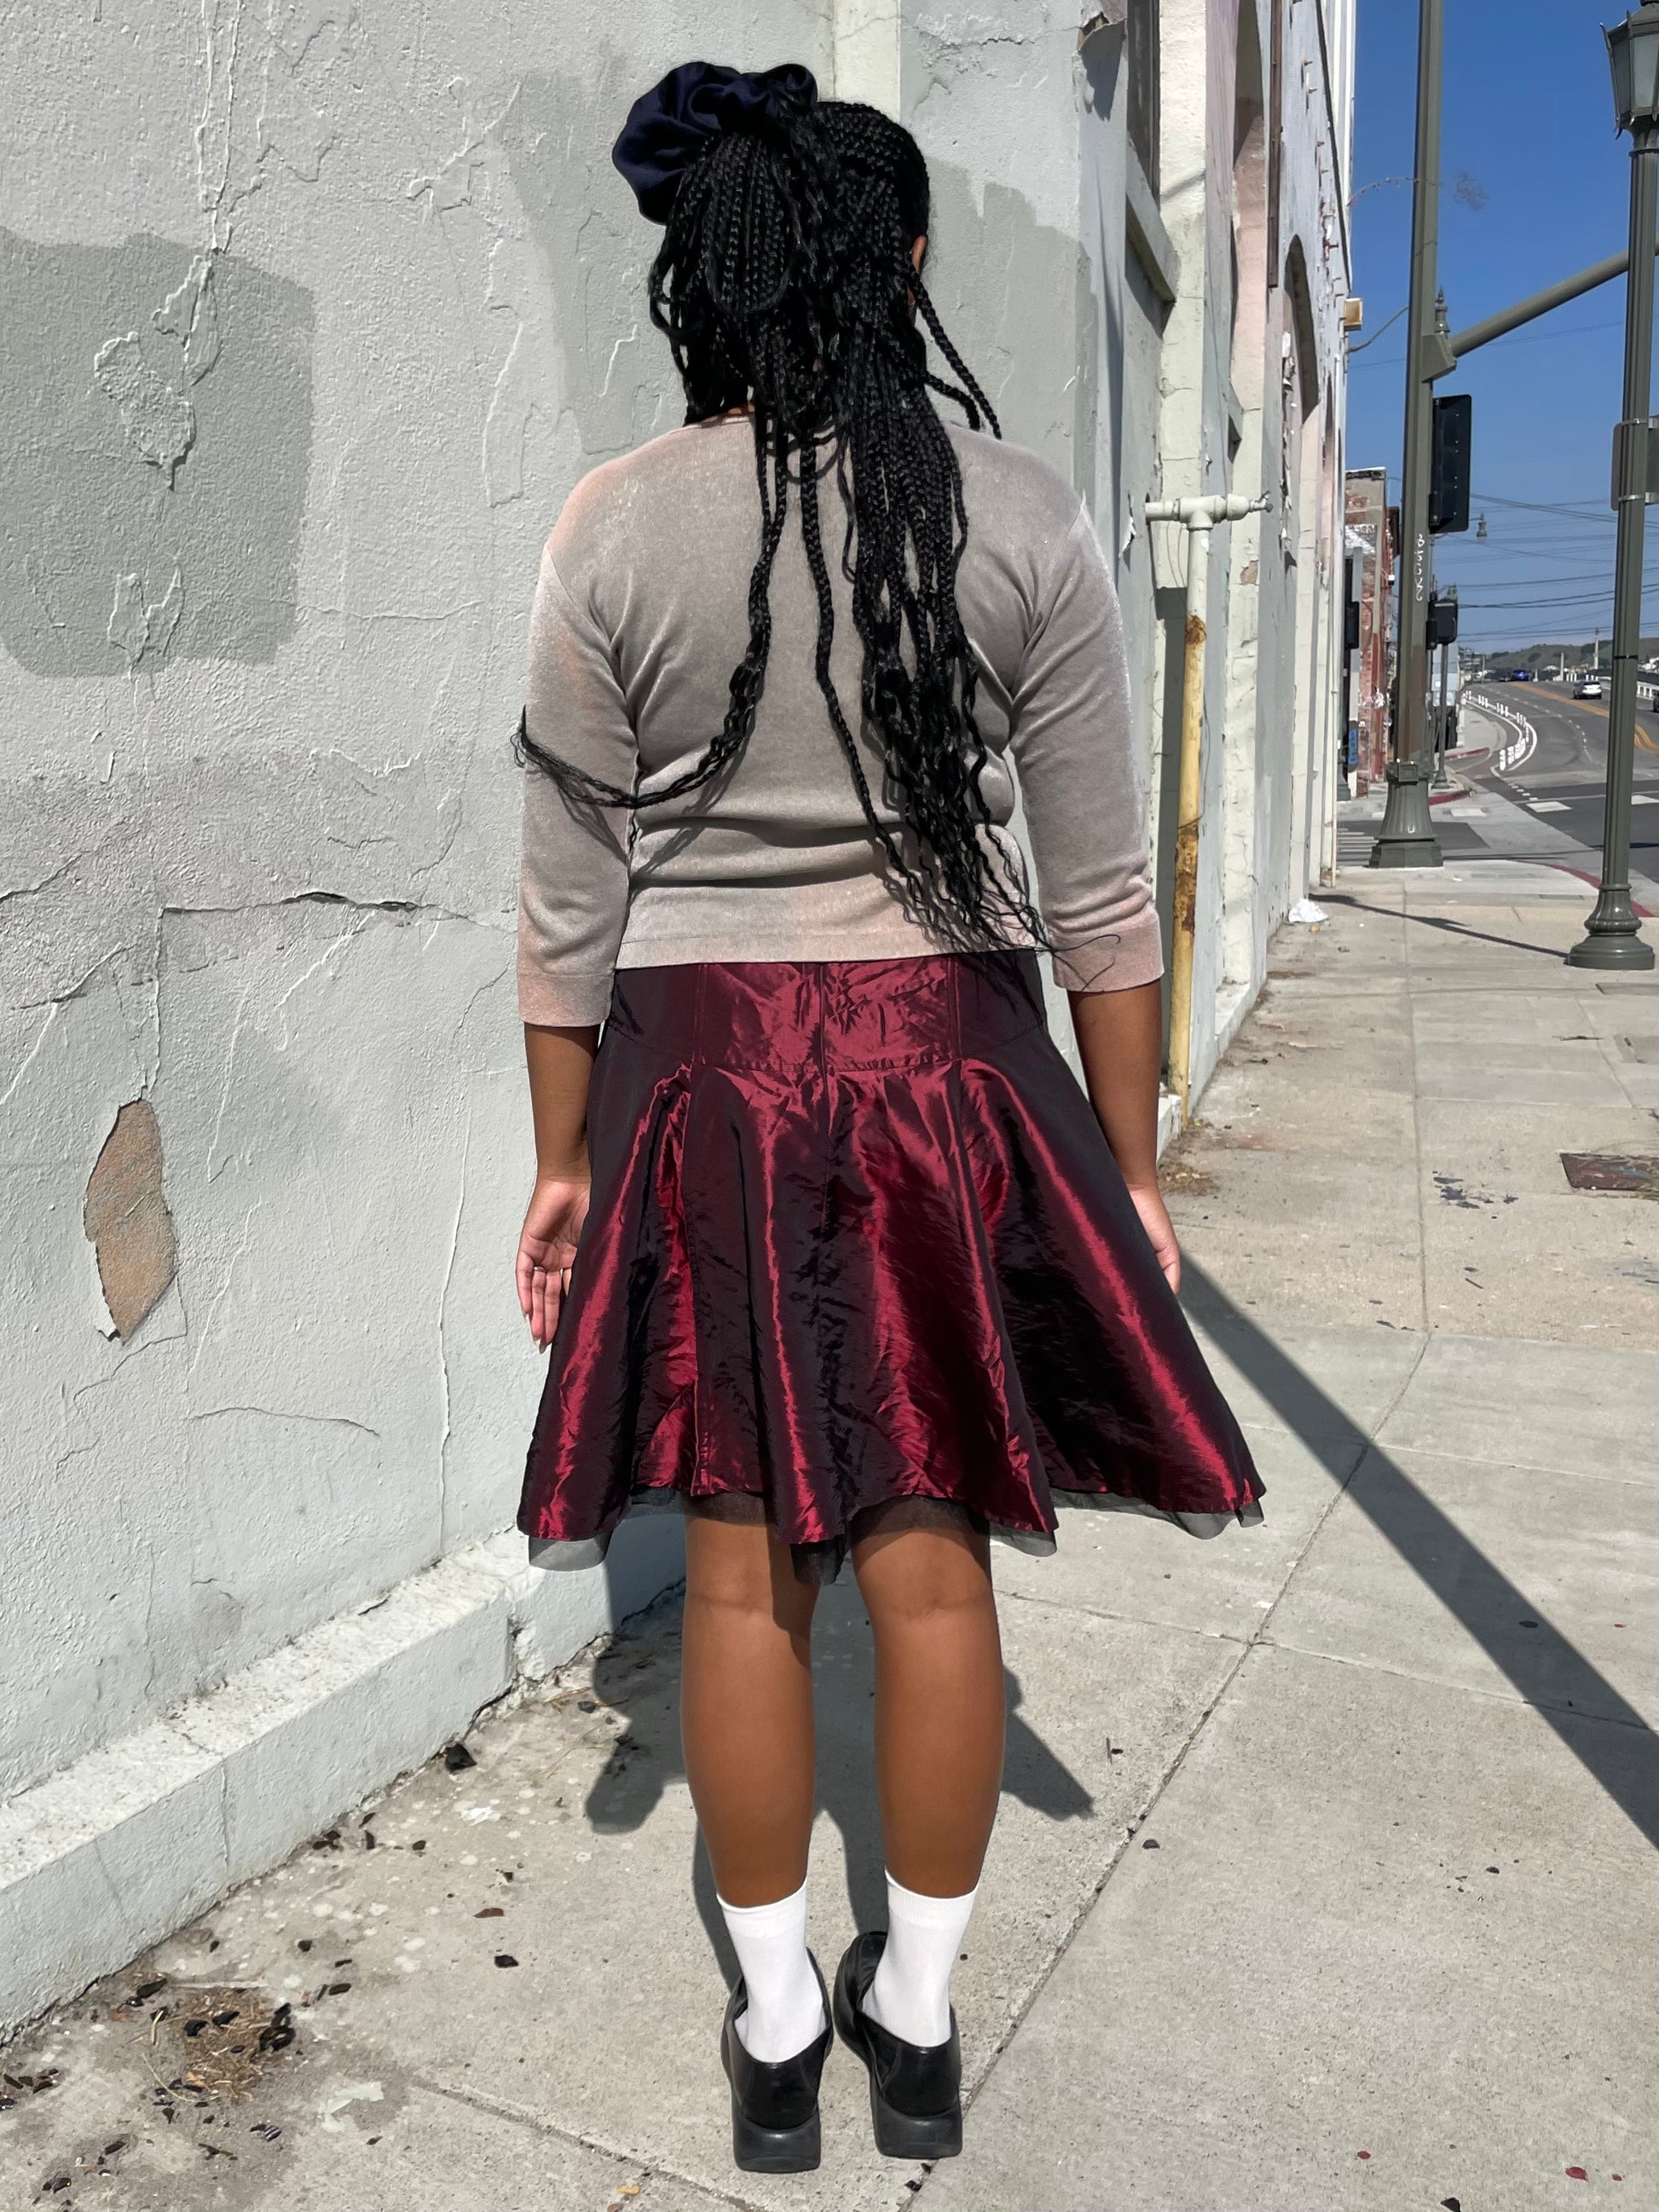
1443 713
1611 938
1407 839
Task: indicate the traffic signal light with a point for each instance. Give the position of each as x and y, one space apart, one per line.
1449 475
1442 621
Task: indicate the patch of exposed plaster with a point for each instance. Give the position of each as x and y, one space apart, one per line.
581 349
258 101
530 379
159 423
126 1218
135 626
451 184
129 625
190 313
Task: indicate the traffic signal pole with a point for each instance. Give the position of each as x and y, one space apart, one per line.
1539 303
1407 839
1611 938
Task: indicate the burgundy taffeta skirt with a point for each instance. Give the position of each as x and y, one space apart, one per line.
855 1236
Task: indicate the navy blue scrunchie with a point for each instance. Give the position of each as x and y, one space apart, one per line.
671 126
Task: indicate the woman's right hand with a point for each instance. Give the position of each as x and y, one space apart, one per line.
1148 1202
547 1250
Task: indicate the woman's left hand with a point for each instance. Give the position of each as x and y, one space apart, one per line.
547 1250
1155 1220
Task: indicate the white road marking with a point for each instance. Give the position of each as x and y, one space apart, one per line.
1547 806
1643 798
1523 738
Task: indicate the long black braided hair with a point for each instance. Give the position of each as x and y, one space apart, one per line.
786 283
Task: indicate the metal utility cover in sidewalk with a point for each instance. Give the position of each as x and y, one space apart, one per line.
1635 1173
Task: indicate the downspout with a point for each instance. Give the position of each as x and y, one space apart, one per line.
1198 517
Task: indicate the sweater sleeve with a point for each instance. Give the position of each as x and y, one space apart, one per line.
572 880
1084 810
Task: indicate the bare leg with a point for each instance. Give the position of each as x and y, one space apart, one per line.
746 1707
941 1709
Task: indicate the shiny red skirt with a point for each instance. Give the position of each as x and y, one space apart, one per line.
856 1237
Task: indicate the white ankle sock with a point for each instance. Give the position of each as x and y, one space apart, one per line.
786 2012
910 1994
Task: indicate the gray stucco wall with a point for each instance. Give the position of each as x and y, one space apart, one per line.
313 314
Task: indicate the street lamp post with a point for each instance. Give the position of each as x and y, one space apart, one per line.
1442 711
1612 939
1407 839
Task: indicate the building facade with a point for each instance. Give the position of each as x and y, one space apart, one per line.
315 312
1371 526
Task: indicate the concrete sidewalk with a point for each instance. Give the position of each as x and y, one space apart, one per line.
1325 1872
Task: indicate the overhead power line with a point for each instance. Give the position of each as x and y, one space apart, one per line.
1535 506
1532 583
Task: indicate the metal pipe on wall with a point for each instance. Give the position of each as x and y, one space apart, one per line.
1198 517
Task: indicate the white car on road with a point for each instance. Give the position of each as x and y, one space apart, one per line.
1588 688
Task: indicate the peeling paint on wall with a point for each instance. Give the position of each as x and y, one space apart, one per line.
155 427
1004 283
136 626
557 134
126 1218
159 423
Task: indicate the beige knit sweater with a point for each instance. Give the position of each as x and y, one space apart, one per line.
640 618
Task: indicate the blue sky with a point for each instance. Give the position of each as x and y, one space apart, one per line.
1535 184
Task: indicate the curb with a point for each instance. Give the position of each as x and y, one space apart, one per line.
107 1858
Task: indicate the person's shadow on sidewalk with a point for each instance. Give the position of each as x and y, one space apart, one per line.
646 1759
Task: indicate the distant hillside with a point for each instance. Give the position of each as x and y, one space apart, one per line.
1543 660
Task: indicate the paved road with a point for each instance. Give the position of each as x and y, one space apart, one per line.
1547 806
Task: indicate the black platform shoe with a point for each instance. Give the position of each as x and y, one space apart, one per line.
775 2107
915 2090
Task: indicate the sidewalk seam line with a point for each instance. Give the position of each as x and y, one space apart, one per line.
1524 1466
501 2109
1637 1727
1087 1908
1123 1619
1409 979
1340 1490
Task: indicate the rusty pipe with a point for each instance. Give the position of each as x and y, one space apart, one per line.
1198 517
